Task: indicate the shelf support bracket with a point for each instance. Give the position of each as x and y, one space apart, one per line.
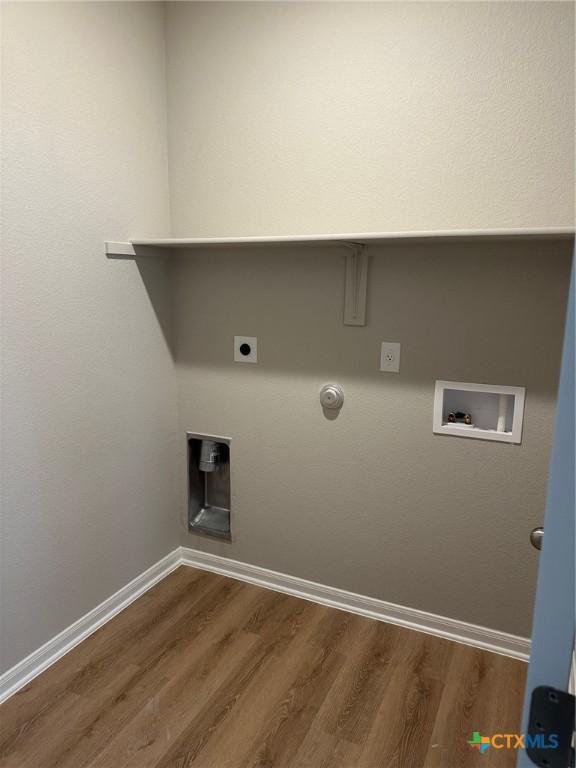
356 283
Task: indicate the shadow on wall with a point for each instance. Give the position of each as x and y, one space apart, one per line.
155 272
478 312
374 502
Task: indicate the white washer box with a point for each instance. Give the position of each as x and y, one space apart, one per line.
497 411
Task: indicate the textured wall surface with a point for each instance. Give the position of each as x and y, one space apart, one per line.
303 117
291 118
372 501
335 117
88 391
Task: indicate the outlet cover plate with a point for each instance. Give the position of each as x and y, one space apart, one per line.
390 357
245 349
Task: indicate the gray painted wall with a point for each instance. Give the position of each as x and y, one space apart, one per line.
333 117
289 118
372 501
88 389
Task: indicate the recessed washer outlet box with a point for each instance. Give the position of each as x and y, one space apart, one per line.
480 411
209 485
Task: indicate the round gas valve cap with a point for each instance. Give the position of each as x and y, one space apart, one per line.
331 396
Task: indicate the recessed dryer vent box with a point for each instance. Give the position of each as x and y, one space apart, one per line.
209 485
481 411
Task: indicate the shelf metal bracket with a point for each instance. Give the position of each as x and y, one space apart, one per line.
356 283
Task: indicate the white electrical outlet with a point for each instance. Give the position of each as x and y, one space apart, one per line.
390 357
245 349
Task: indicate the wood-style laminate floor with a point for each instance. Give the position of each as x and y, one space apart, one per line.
209 672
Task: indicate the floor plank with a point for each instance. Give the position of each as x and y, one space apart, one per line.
203 671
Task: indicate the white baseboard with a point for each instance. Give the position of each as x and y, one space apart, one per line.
411 618
27 669
452 629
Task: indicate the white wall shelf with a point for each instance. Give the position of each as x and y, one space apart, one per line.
143 246
497 412
356 274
